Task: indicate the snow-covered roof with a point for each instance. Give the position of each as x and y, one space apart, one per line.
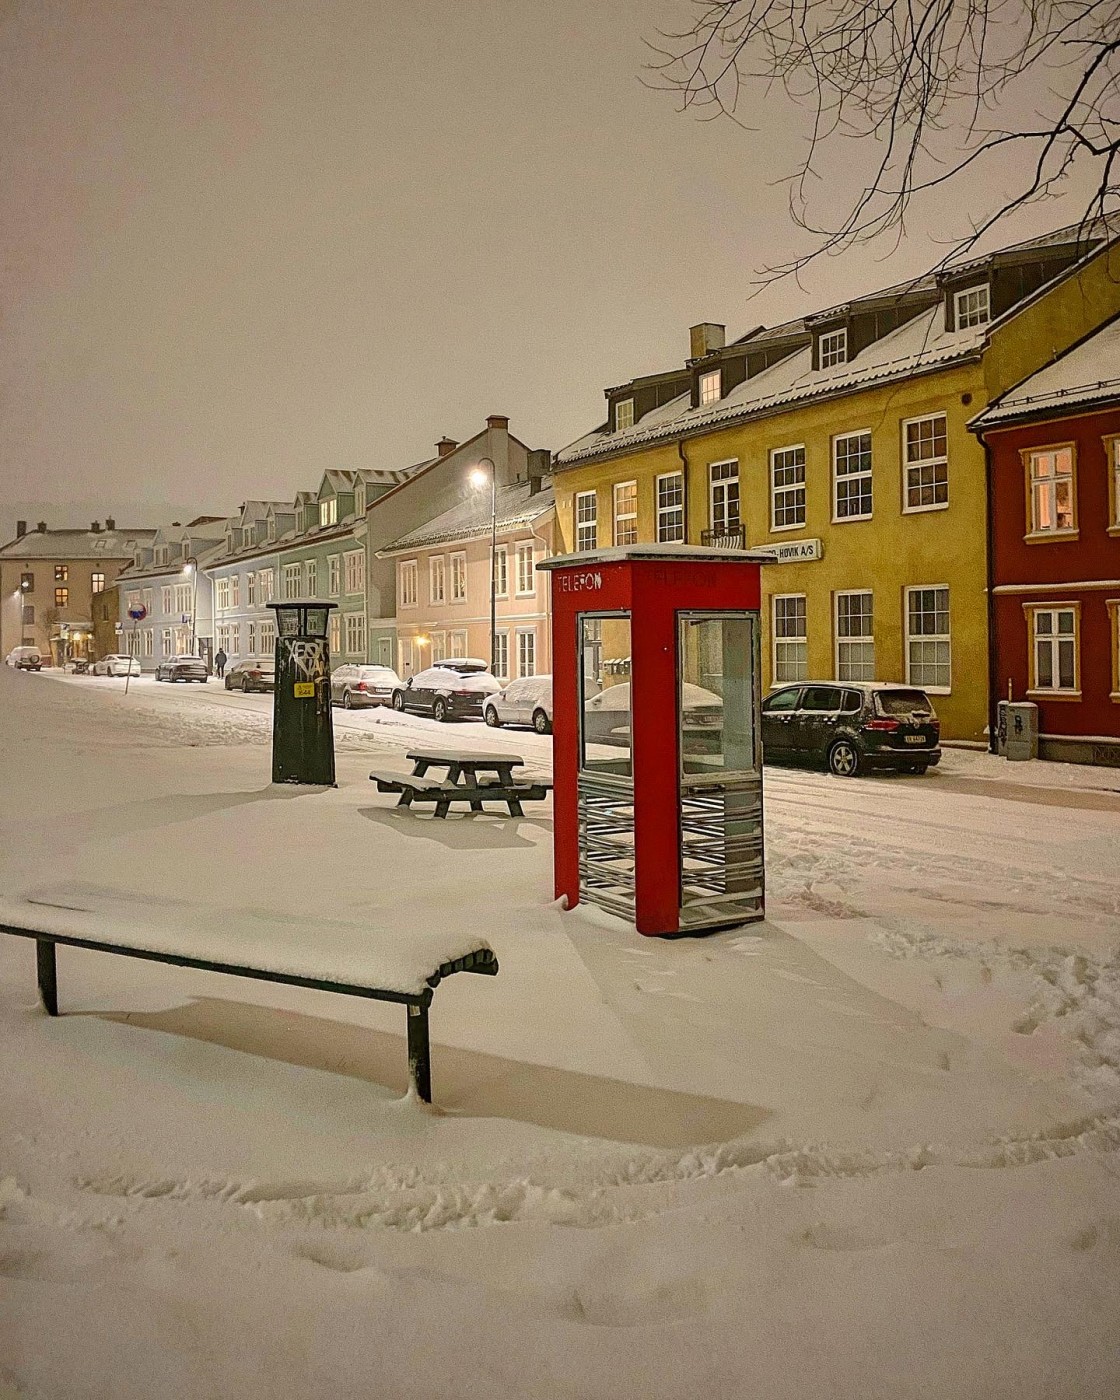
517 506
119 543
1087 375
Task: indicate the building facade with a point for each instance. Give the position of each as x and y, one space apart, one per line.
1054 461
168 578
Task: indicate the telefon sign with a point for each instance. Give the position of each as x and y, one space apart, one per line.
587 582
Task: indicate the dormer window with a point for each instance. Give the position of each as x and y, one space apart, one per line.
623 414
832 348
328 511
972 307
360 501
711 389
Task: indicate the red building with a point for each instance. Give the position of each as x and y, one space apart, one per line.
1054 548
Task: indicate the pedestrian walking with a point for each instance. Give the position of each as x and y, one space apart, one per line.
220 663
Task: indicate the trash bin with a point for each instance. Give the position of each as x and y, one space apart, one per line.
1017 731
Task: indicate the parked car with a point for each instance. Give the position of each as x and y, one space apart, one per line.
25 659
116 665
254 673
352 686
606 716
182 668
452 689
524 701
850 727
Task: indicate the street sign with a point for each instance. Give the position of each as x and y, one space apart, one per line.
138 613
118 628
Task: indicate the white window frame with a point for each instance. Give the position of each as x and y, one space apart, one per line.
586 521
183 598
334 633
525 552
267 639
408 592
1036 479
291 581
832 348
674 532
147 597
719 488
782 644
625 521
328 511
709 387
623 415
843 669
334 575
437 580
251 639
438 642
501 571
354 633
913 639
251 590
235 590
972 307
501 654
457 644
221 596
266 579
311 574
458 572
354 572
864 474
1053 640
912 469
526 635
165 641
781 492
166 598
148 641
97 581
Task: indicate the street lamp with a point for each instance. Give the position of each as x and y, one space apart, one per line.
190 569
478 479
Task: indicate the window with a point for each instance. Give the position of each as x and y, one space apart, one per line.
587 520
291 581
1112 455
925 459
855 637
437 579
148 599
235 589
148 641
408 591
1113 606
1051 486
711 390
787 488
251 590
266 580
625 513
501 571
851 477
27 583
927 638
972 307
832 349
458 644
251 649
670 508
62 573
132 601
623 414
501 655
355 629
97 582
355 571
458 578
781 703
724 485
165 641
439 646
267 632
526 578
166 602
29 614
334 633
311 569
334 575
1054 660
527 652
61 597
360 500
791 638
328 511
183 598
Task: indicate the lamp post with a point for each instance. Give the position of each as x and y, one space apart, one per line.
190 569
478 480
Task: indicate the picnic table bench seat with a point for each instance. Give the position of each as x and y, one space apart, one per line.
397 965
472 778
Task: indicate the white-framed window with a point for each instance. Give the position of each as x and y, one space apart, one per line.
334 575
184 593
526 651
355 570
625 513
221 589
855 636
360 499
711 388
925 463
132 601
251 590
972 307
526 577
267 640
791 637
235 590
670 508
354 625
251 643
328 511
723 478
334 633
787 488
832 348
147 641
501 655
148 600
407 589
97 582
1052 489
165 642
266 580
439 646
437 579
292 581
501 571
928 652
1055 645
623 414
851 478
311 572
587 520
1112 456
458 644
166 597
458 578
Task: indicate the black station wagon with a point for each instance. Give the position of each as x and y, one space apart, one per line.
851 726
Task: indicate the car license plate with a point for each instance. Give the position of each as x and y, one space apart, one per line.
915 738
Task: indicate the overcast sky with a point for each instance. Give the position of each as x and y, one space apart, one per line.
242 241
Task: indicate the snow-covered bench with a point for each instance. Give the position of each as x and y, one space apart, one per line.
395 964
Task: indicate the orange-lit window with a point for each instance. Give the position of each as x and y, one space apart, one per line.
61 597
1112 458
1051 490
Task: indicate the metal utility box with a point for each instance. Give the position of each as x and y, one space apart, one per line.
1017 730
302 728
657 755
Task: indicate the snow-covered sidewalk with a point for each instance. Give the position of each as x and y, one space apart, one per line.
866 1149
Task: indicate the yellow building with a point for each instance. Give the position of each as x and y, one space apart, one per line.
838 443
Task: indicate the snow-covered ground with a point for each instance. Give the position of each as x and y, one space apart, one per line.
866 1149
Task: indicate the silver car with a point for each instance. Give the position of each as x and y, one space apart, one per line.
116 665
364 684
182 668
526 701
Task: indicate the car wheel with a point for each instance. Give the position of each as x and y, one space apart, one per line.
347 703
490 715
920 768
398 701
439 711
541 722
843 759
229 684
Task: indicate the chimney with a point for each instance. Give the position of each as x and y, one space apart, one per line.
95 527
42 527
21 529
446 446
497 420
110 523
705 338
540 461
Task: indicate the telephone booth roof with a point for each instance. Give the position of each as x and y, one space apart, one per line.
655 553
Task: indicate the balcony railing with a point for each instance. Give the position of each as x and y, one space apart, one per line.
725 537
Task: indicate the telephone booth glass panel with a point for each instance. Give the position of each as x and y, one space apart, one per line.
606 744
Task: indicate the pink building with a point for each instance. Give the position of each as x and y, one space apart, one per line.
444 586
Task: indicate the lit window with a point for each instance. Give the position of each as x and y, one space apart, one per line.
1112 453
328 511
787 490
526 578
855 637
334 633
623 414
1054 661
62 573
459 578
724 482
791 638
851 472
926 462
626 513
670 508
972 307
437 579
832 349
710 387
27 583
587 520
408 584
927 638
97 582
61 597
1051 482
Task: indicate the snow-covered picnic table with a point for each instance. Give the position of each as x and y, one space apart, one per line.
400 963
462 783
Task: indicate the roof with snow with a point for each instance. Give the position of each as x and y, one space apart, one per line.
1086 376
517 506
119 543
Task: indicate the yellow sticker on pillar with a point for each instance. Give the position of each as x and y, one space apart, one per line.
304 690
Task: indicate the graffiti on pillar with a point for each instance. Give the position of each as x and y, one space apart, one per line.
309 657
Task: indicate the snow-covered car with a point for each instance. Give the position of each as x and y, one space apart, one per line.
25 659
606 716
524 701
182 668
452 689
851 726
116 664
352 686
254 673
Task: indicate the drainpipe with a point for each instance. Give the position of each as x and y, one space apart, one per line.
993 679
684 478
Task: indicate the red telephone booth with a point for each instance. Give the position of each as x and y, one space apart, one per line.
656 744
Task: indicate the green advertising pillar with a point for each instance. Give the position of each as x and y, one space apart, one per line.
302 732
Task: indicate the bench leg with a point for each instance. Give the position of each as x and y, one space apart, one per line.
419 1053
48 975
515 807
